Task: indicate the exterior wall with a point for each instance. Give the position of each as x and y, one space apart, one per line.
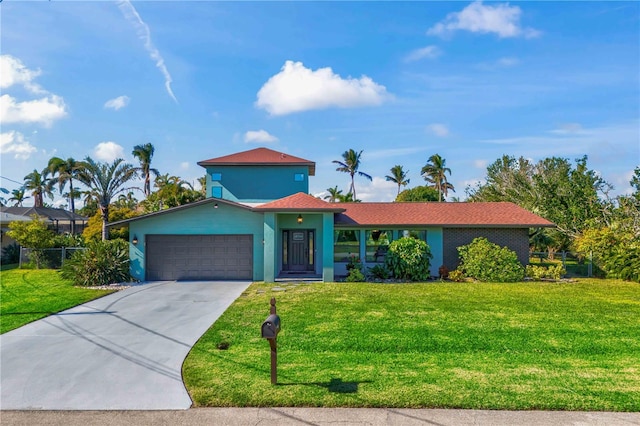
204 219
517 239
255 184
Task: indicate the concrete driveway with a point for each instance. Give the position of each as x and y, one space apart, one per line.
121 352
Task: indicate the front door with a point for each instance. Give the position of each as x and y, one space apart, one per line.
298 250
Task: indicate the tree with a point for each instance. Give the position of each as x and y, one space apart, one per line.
435 172
66 171
346 198
334 194
398 176
33 234
350 165
18 195
105 181
39 185
419 193
172 191
144 153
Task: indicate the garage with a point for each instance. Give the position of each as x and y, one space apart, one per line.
199 257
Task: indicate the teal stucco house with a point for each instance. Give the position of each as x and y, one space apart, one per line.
259 223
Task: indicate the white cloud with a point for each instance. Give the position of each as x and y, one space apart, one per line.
108 151
505 62
296 88
429 52
480 164
438 129
501 19
13 71
259 136
144 33
13 142
44 111
185 165
379 189
117 103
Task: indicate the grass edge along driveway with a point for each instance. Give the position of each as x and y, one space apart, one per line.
27 295
524 346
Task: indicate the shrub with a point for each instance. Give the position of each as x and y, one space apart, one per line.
11 254
409 259
538 273
625 264
456 275
486 261
102 263
380 272
34 235
355 276
354 263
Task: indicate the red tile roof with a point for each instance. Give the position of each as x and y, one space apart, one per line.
300 202
260 156
499 214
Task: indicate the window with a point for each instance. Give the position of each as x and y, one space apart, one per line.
298 177
216 177
419 234
377 242
216 192
345 244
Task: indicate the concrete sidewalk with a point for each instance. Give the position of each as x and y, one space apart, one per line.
319 416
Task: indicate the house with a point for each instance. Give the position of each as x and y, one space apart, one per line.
58 220
259 223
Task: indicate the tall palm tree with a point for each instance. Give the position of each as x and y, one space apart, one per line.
105 181
66 171
144 153
435 172
18 195
39 185
351 164
334 194
398 176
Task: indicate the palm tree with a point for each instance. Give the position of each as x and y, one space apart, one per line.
105 181
18 195
346 198
435 172
350 165
39 185
66 171
334 194
398 176
144 153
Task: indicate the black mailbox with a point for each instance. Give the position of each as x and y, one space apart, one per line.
271 327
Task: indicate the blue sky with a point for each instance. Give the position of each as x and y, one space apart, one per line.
470 81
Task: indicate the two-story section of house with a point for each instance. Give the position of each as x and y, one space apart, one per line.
259 223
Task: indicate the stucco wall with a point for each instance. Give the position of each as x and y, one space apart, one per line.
203 219
517 239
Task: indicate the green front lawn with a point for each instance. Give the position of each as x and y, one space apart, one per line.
30 294
568 346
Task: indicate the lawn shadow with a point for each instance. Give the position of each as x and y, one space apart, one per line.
335 385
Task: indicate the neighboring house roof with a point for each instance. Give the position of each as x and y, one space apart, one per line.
299 202
494 214
10 217
262 157
214 201
47 212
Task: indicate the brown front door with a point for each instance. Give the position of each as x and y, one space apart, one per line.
298 250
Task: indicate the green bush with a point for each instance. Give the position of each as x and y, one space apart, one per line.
486 261
355 276
380 272
409 259
625 264
102 263
456 275
11 254
538 273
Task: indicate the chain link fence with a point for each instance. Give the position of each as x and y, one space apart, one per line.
46 258
576 264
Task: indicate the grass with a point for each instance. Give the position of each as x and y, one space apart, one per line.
30 294
550 346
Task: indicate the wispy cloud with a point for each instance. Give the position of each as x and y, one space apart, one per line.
13 71
259 136
14 143
501 19
117 103
428 52
297 88
438 129
144 33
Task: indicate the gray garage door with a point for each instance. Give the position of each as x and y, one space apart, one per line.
199 257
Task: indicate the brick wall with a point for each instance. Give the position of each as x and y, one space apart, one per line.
517 239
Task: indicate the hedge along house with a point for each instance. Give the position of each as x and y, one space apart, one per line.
259 223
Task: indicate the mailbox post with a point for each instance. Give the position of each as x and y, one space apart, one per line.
270 330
